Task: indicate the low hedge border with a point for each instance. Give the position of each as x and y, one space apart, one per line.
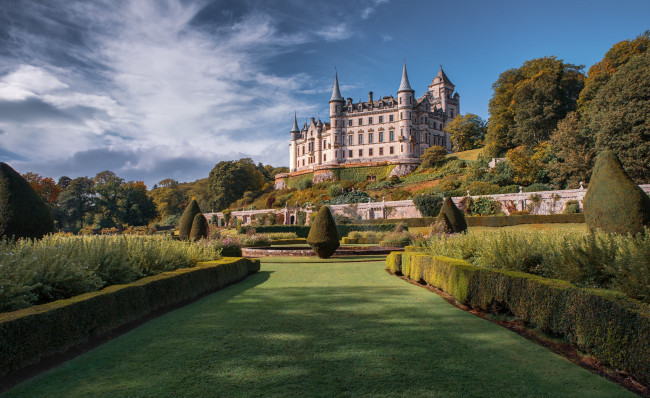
493 221
288 241
606 324
30 334
344 229
360 241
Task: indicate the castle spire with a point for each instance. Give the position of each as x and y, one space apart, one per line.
336 93
405 85
295 128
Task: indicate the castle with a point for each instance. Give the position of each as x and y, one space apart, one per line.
388 130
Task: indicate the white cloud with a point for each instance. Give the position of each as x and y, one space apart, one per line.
367 11
163 83
335 32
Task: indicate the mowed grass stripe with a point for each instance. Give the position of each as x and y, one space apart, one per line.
319 329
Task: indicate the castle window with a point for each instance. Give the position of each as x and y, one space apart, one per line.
381 119
350 122
391 136
336 139
400 116
400 100
381 136
369 120
360 139
370 152
350 139
452 112
324 144
350 153
370 138
392 151
381 151
360 152
422 120
324 158
360 122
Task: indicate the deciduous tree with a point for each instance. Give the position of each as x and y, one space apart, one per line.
467 132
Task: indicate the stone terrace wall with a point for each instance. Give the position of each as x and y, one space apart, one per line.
550 202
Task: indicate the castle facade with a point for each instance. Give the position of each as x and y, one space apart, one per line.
378 131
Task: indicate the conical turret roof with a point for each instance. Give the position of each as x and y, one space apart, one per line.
295 128
404 84
336 92
441 77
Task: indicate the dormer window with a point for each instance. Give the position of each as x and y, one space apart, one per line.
349 108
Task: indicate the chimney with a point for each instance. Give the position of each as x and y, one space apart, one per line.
370 95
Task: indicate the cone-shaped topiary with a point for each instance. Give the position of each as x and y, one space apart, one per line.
442 224
323 236
199 228
185 223
613 202
455 216
23 213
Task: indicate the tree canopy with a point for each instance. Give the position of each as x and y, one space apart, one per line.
529 101
619 116
230 179
467 132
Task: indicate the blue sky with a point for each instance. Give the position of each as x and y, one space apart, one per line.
160 89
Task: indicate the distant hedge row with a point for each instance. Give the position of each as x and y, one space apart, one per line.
606 324
33 333
494 221
344 229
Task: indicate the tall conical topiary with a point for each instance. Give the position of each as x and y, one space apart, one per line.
454 215
185 223
23 213
613 202
199 228
323 236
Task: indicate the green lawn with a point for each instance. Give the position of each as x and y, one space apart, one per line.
327 328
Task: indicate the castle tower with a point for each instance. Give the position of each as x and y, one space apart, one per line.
406 104
295 134
336 117
441 88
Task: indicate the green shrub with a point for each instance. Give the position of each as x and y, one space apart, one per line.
199 228
428 204
23 213
323 236
334 190
454 216
613 202
607 325
571 207
351 197
304 184
537 187
185 223
34 333
486 206
434 156
59 267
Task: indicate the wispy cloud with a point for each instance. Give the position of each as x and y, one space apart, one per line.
367 11
336 32
151 90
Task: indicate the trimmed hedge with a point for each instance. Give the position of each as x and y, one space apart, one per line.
606 324
33 333
302 231
360 241
492 221
323 236
279 242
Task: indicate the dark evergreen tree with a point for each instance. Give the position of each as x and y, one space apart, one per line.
323 236
454 216
613 202
185 223
199 228
23 213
